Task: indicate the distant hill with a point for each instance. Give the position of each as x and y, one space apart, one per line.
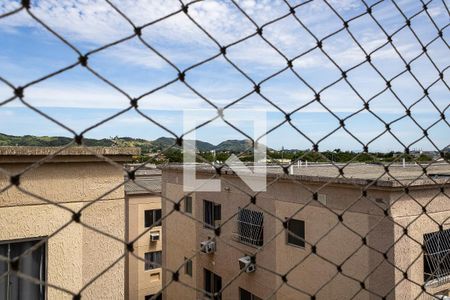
165 142
47 141
234 145
145 145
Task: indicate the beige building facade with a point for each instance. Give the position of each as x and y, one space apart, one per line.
39 210
353 238
143 203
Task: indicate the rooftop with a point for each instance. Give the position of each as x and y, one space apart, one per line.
147 178
357 173
18 154
144 185
29 150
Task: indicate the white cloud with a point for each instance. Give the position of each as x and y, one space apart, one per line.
95 23
92 23
82 95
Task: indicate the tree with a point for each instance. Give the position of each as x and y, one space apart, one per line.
174 155
423 157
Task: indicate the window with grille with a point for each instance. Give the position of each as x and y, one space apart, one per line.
250 227
153 260
152 217
188 204
437 256
296 232
246 295
32 265
212 213
213 285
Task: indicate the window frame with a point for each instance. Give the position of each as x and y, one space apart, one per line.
45 258
213 279
188 266
154 214
149 263
215 210
290 235
252 296
188 204
159 297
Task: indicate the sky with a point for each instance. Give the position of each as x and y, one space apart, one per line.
78 99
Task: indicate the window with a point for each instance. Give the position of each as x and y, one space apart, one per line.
152 217
188 204
296 232
211 213
437 256
246 295
153 297
33 264
153 260
188 266
213 285
250 227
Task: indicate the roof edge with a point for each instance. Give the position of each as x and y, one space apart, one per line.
17 154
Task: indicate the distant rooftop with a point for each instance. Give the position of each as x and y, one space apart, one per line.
357 173
29 150
16 154
144 185
411 173
147 178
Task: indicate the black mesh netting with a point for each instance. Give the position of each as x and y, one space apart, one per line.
345 27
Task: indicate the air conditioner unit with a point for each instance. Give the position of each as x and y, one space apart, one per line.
245 263
154 236
208 246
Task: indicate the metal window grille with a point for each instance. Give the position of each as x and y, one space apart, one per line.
437 257
250 227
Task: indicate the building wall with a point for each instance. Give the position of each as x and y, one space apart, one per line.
224 261
180 241
408 213
141 282
340 245
76 254
336 246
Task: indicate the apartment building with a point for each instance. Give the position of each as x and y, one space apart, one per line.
143 203
345 235
39 222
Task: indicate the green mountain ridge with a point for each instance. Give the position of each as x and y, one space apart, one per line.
159 144
146 146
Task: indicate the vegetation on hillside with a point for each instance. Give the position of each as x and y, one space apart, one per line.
164 149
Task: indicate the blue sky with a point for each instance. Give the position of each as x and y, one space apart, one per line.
78 99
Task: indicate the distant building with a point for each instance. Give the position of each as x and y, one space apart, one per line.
143 204
344 231
38 223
